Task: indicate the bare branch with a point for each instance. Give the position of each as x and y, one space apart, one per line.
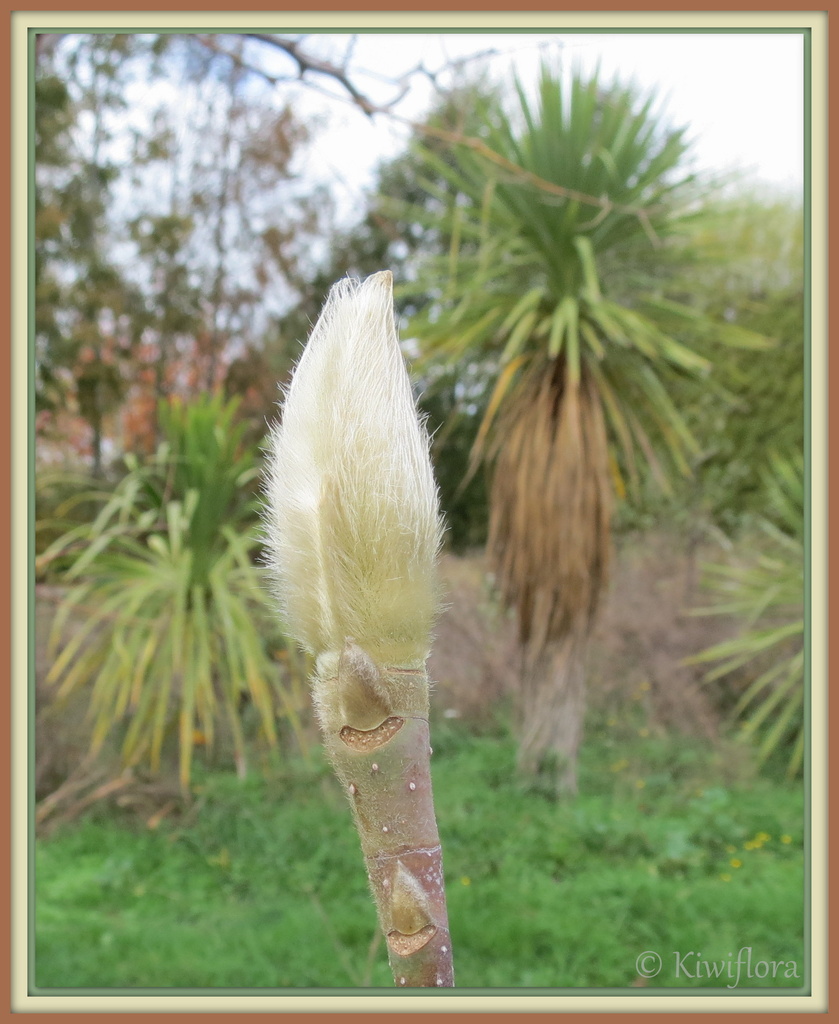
307 63
210 43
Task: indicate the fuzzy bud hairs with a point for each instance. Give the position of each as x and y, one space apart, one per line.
352 524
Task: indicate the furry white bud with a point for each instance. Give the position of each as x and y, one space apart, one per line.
352 524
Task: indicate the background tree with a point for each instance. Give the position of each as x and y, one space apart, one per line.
84 324
745 267
178 260
52 123
752 277
560 216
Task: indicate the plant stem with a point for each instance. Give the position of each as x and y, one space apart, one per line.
386 774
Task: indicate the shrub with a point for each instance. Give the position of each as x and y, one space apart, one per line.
766 592
165 615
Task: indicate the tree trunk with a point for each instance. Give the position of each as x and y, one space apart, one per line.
553 710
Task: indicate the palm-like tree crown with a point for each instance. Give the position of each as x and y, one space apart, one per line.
559 219
562 221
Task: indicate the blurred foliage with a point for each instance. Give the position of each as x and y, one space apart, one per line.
87 323
200 262
765 591
452 404
746 266
564 216
169 236
166 618
763 290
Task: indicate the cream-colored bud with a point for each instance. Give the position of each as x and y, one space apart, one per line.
352 525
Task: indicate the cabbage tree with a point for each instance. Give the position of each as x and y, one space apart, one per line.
563 216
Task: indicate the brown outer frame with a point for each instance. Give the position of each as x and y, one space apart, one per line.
592 8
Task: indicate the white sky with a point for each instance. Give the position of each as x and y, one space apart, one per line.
741 95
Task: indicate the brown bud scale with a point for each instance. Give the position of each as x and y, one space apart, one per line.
360 739
405 945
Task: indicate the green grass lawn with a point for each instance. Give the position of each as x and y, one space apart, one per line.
669 848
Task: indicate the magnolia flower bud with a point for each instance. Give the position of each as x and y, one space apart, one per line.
352 525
